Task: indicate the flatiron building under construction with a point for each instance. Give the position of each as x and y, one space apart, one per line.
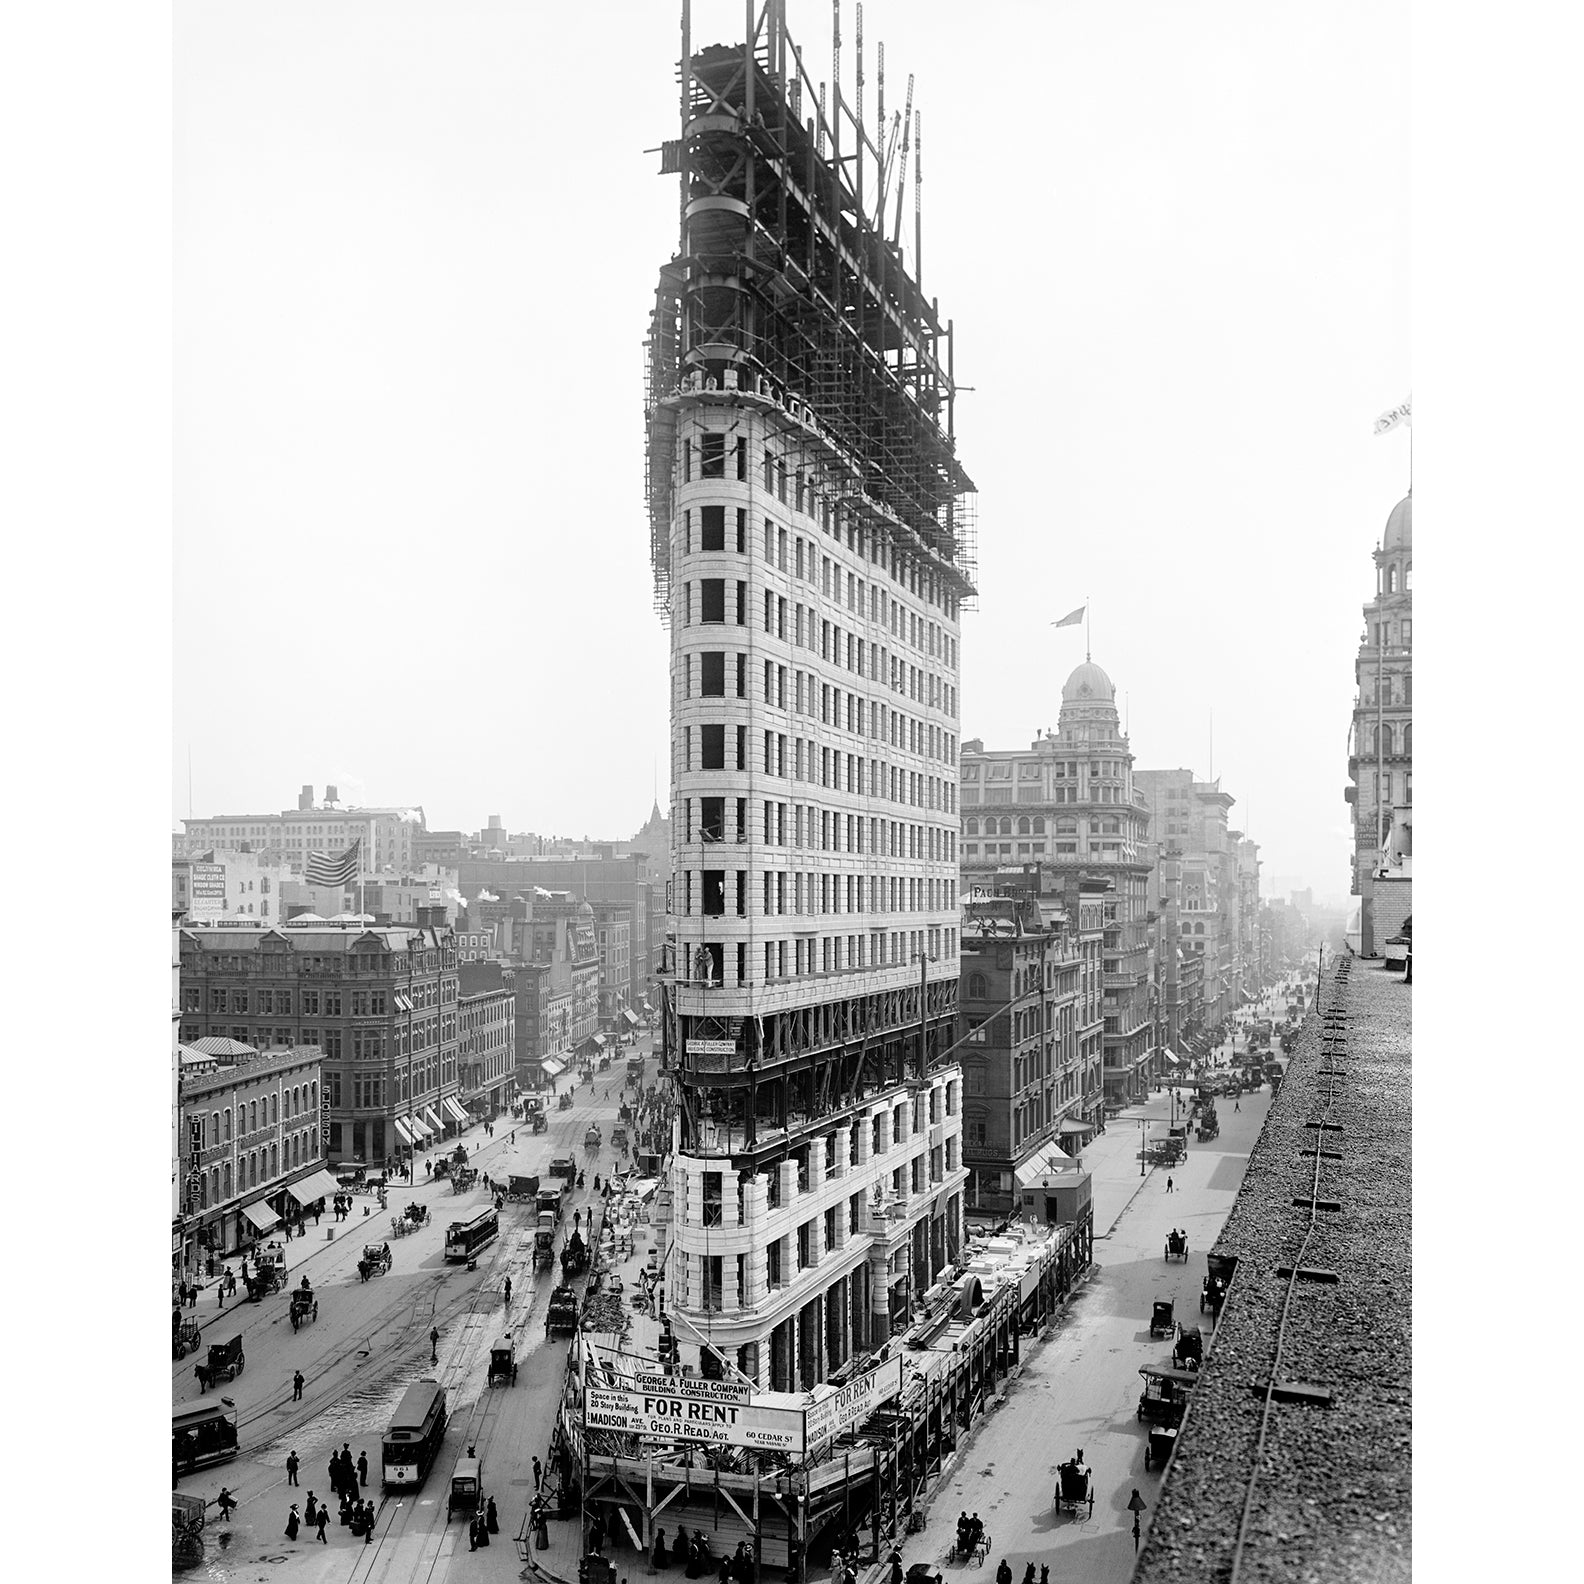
812 537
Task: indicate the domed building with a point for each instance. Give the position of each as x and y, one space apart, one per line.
1380 747
1065 810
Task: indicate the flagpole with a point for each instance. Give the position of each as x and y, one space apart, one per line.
1088 646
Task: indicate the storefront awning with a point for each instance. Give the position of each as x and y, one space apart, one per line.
433 1121
456 1111
419 1127
261 1217
406 1133
316 1185
1076 1125
629 1017
1166 1051
551 1067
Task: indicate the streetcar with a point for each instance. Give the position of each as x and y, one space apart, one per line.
203 1432
416 1430
465 1238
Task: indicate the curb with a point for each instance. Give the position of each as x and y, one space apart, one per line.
1144 1182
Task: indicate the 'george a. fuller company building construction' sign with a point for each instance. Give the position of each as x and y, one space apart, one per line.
729 1413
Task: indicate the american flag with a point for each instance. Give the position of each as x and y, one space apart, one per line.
327 871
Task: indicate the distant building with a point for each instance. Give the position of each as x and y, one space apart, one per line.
391 898
388 834
381 1004
252 1149
1068 803
1380 746
1024 1082
486 1038
229 883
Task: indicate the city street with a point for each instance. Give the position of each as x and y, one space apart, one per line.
1080 1388
370 1342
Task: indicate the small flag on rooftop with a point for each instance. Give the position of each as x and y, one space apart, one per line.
324 870
1071 619
1398 415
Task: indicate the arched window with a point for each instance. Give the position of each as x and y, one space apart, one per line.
253 1169
970 827
1408 578
1386 690
1408 739
313 1095
294 1149
274 1114
315 1136
214 1128
1039 827
274 1170
227 1135
214 1185
225 1179
976 987
1391 579
1006 827
1023 825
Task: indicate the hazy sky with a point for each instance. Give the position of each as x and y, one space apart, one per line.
416 245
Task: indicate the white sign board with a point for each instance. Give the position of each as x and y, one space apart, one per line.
848 1406
706 1047
673 1415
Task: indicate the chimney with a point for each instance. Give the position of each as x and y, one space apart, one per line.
305 800
330 796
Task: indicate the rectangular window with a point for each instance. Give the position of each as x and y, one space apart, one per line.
712 600
712 673
712 528
712 457
712 747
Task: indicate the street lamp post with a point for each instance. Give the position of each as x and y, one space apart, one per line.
1143 1150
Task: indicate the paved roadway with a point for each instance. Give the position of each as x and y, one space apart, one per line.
1080 1388
370 1342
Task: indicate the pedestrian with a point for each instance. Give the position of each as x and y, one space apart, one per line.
1237 1105
1004 1572
318 1210
297 1386
321 1522
896 1567
491 1518
291 1468
1168 1185
292 1523
219 1295
473 1534
362 1467
508 1292
311 1509
434 1344
335 1476
368 1524
226 1502
538 1473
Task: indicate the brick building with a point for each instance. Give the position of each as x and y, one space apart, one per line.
381 1004
486 1037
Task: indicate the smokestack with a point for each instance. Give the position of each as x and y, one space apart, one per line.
305 800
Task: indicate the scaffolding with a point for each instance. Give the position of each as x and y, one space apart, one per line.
790 290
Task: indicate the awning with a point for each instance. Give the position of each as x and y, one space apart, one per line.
433 1120
1166 1051
261 1216
419 1127
407 1134
455 1110
551 1067
1075 1125
629 1017
316 1185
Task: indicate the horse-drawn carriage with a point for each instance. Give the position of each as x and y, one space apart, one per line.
1162 1318
540 1122
1164 1399
592 1137
574 1257
973 1543
304 1306
564 1103
1176 1246
225 1362
463 1178
1188 1351
265 1280
413 1217
1162 1438
185 1337
503 1362
1075 1486
522 1190
618 1138
376 1260
1212 1295
1209 1126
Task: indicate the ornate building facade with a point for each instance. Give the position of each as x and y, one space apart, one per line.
1380 745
